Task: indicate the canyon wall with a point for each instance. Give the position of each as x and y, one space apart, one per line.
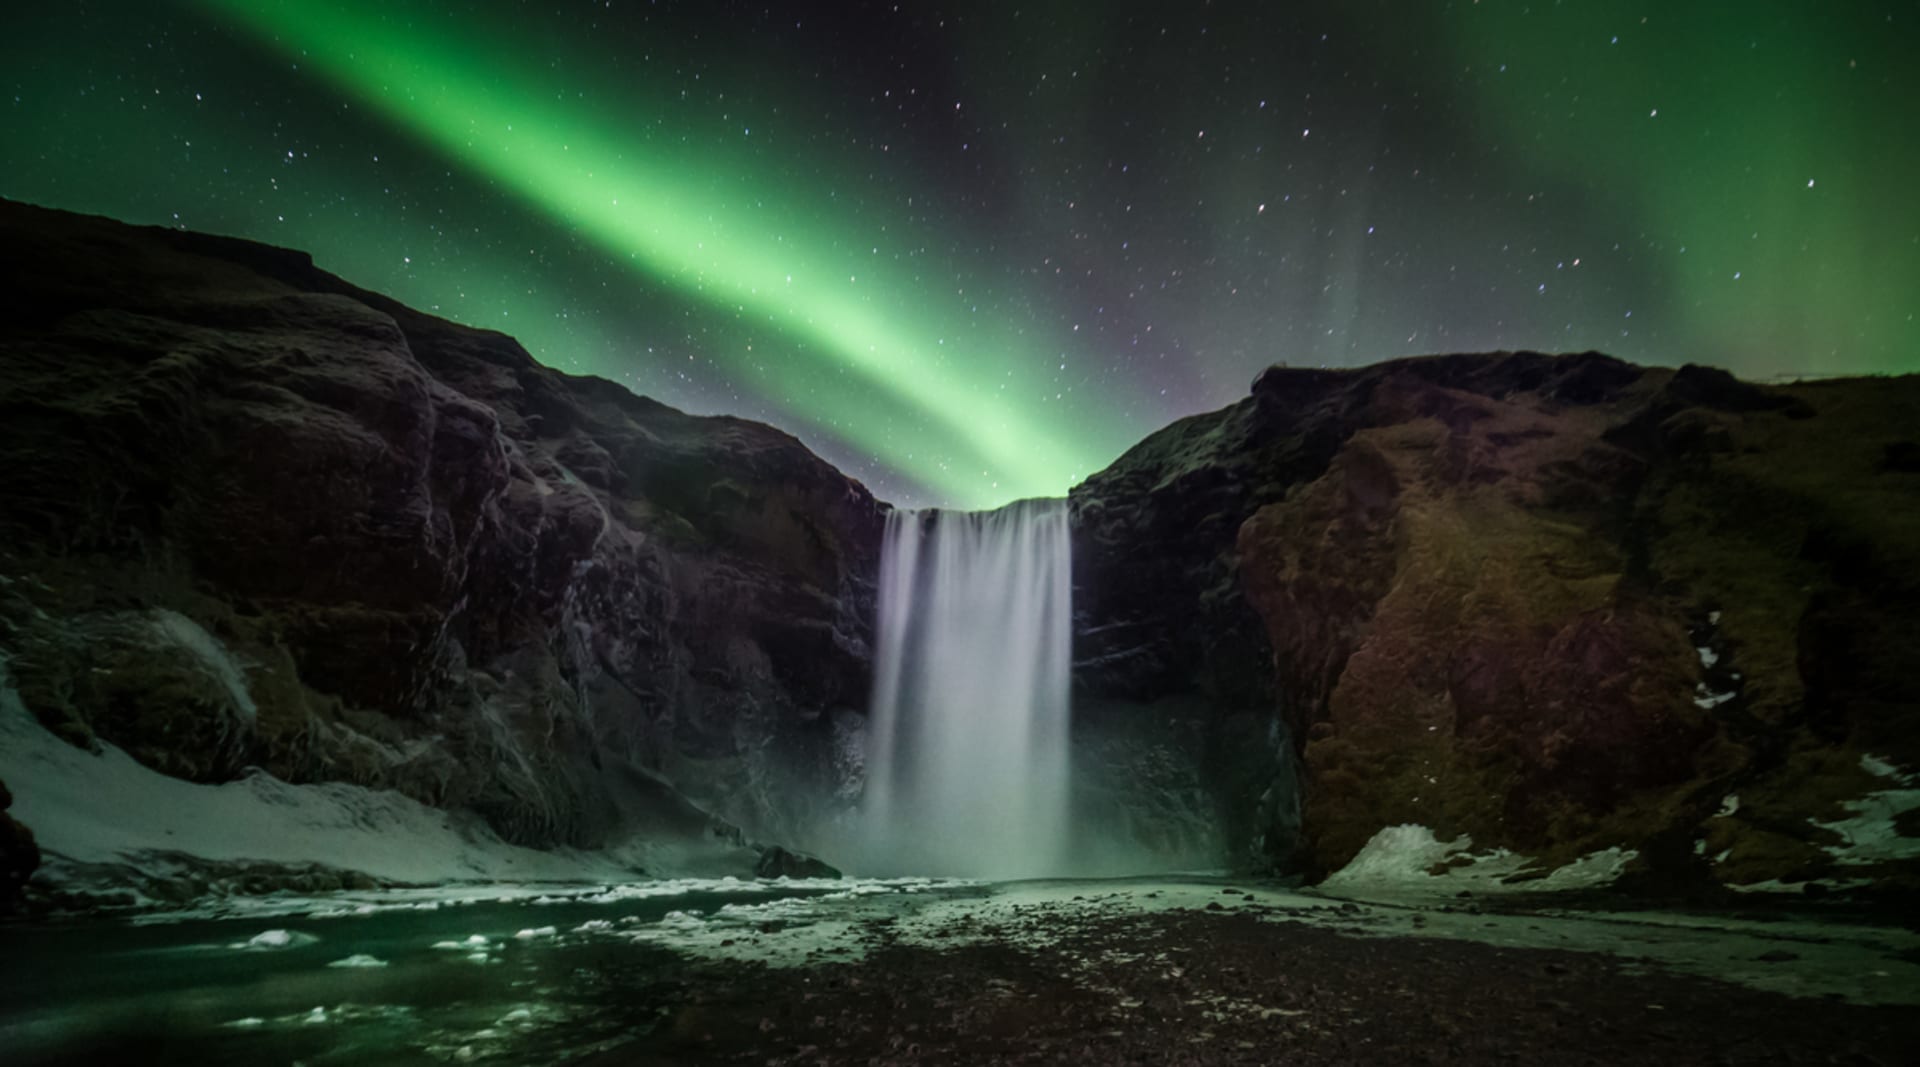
256 518
1559 604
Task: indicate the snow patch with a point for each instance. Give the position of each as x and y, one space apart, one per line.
1871 833
476 941
1400 859
1880 768
1704 697
358 960
94 815
270 940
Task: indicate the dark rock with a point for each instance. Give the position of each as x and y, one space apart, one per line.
274 520
1902 456
19 856
1479 583
777 862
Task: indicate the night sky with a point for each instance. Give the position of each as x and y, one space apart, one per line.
972 251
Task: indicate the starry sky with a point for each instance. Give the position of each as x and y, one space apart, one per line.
972 251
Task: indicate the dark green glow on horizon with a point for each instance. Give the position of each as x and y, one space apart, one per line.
710 233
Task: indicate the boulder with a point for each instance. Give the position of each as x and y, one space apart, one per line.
777 862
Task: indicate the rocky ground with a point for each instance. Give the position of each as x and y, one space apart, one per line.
1229 986
1131 971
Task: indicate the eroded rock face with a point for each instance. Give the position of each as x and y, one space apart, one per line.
1559 604
256 517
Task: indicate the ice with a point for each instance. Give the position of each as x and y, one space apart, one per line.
270 940
531 933
358 959
1708 657
476 941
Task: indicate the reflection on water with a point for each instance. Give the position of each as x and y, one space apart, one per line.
519 975
526 974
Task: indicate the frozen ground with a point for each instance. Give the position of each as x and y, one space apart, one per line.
636 972
103 820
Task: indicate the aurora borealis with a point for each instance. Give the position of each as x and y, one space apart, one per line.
971 252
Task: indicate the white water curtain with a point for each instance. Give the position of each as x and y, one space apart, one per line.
967 767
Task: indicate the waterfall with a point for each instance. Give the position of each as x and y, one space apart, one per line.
967 756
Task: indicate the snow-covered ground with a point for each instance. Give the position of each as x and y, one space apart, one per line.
92 814
1870 832
1859 963
1399 861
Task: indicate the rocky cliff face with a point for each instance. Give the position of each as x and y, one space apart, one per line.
1557 604
254 517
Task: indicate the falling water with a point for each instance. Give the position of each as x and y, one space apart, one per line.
967 761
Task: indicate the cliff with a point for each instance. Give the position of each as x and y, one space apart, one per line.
1558 604
285 544
255 518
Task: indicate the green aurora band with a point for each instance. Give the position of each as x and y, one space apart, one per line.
716 238
1020 237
